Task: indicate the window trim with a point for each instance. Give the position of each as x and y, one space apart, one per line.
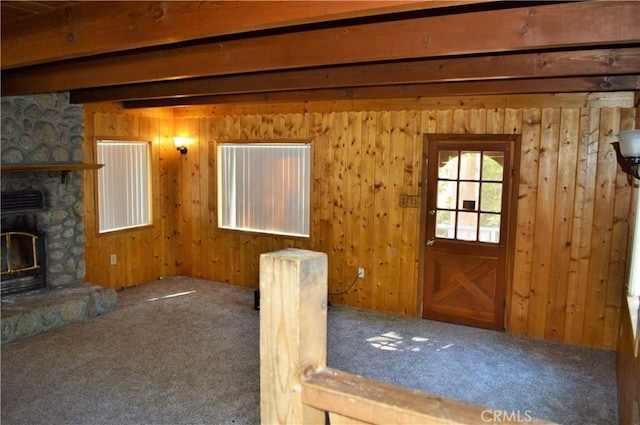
214 176
96 186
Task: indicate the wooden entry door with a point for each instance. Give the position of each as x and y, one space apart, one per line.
466 235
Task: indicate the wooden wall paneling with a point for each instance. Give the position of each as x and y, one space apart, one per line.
339 279
197 164
363 161
159 244
394 232
381 206
170 187
461 121
602 229
543 236
563 223
202 127
525 228
495 120
353 211
315 130
478 121
512 121
444 121
584 205
215 126
367 214
412 172
184 201
324 183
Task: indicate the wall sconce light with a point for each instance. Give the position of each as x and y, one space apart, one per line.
180 143
628 151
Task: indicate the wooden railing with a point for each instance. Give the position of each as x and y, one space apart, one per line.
296 387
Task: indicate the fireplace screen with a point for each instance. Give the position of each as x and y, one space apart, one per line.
21 270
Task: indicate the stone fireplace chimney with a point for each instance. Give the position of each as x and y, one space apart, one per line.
37 131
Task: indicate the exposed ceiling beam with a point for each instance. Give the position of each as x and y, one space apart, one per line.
97 27
550 26
525 65
513 86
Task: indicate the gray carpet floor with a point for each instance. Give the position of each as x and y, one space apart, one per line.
186 351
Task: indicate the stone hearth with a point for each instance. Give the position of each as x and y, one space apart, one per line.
30 313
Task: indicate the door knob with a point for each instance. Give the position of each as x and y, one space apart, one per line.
431 241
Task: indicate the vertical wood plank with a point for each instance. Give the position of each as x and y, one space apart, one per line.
353 207
547 176
367 217
394 233
495 121
563 224
381 205
409 238
583 217
461 121
338 279
602 225
525 228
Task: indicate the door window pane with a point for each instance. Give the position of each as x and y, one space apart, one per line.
489 228
492 166
470 165
467 226
491 197
447 192
448 165
445 222
469 195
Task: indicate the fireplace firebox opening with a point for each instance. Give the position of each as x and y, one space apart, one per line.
22 260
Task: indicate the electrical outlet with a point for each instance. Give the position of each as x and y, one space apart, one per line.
113 260
360 272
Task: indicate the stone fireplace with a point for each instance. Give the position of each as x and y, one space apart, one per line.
42 139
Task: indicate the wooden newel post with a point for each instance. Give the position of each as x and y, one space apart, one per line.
293 332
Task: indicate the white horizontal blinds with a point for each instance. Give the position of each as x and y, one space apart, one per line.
123 185
264 187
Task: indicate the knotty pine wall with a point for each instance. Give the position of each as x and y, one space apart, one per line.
573 207
142 255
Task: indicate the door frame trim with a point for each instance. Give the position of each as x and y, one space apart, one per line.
512 213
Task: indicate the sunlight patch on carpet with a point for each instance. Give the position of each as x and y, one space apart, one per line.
392 341
177 294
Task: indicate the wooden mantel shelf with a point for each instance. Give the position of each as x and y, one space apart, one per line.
64 167
21 168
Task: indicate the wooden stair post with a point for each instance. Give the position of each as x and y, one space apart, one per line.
293 332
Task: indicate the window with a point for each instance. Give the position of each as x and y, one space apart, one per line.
124 191
264 187
470 190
